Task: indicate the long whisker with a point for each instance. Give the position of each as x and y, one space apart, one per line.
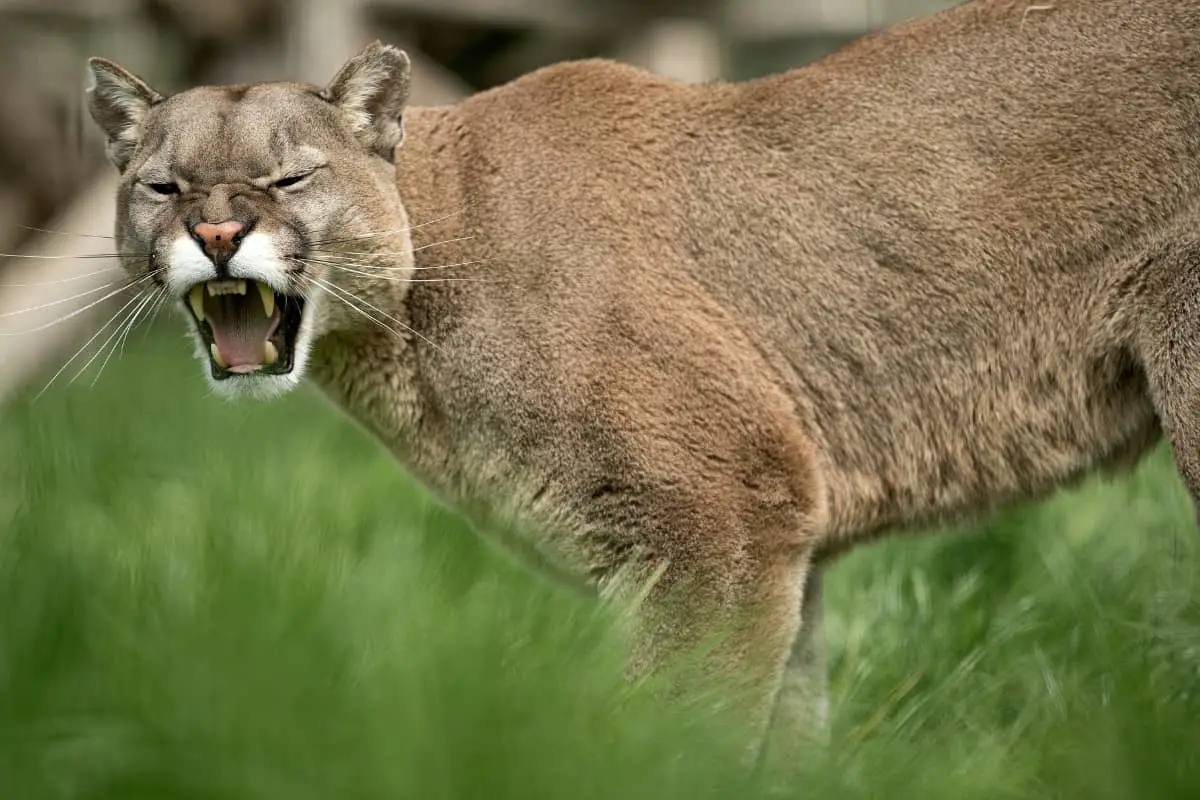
60 301
442 218
345 268
386 315
112 337
374 268
35 257
439 244
358 310
76 312
385 253
471 263
63 280
66 233
152 303
86 344
154 313
391 231
151 298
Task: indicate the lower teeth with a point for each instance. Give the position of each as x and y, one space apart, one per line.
270 355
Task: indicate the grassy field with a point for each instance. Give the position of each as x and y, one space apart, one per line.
200 600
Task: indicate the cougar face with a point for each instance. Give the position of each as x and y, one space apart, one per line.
259 208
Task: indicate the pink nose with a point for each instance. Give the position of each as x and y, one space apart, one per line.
220 237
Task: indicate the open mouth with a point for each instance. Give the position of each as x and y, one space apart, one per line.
248 327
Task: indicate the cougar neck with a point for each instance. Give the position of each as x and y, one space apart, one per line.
430 181
372 375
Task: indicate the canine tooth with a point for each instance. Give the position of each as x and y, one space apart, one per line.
196 297
270 354
268 297
234 286
216 355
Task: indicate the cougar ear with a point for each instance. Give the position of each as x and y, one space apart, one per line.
118 101
371 91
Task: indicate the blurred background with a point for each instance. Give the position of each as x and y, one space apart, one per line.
52 169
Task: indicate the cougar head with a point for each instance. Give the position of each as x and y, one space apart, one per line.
261 209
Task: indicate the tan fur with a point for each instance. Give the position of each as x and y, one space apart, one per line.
736 328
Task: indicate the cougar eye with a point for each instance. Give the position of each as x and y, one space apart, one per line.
290 180
163 188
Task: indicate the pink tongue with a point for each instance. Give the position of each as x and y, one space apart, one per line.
240 352
240 330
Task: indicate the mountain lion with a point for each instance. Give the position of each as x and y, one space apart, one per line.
707 336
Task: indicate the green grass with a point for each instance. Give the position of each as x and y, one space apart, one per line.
203 600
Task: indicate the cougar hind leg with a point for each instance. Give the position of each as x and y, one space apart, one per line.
800 714
747 637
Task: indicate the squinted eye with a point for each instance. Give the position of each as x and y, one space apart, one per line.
163 188
290 180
